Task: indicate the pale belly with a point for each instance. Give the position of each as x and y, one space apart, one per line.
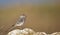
20 24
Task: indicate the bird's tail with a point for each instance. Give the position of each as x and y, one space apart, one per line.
12 28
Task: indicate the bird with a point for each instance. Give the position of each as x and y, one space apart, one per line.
20 22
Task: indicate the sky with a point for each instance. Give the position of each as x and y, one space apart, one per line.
4 2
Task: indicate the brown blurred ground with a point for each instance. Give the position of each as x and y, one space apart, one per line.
40 18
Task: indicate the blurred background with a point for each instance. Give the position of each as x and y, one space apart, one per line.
42 15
